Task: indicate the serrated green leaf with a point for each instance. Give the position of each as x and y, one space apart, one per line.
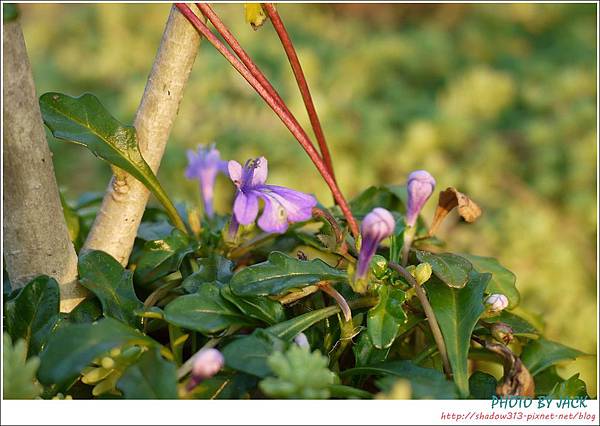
519 325
452 269
280 274
33 313
206 311
159 258
426 383
385 318
74 346
112 284
259 307
541 354
18 372
503 281
457 312
151 377
213 269
249 354
85 121
573 387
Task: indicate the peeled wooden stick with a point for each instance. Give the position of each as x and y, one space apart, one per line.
116 224
35 236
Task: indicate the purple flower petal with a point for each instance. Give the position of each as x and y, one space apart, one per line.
261 170
420 186
274 217
297 204
235 172
204 165
245 207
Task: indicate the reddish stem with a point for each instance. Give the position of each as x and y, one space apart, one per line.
290 51
288 120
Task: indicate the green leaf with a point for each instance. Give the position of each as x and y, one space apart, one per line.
503 281
457 312
452 269
289 329
249 354
541 354
159 258
573 387
18 372
85 121
426 383
151 377
546 380
375 197
385 318
71 218
520 326
482 385
10 12
74 346
206 311
232 386
33 313
89 310
112 284
365 353
213 269
151 231
259 307
281 274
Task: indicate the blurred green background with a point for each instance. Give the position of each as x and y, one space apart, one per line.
497 100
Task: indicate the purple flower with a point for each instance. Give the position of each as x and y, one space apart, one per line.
282 205
204 166
207 363
375 227
420 186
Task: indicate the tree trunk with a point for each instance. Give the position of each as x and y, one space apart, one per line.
35 236
116 224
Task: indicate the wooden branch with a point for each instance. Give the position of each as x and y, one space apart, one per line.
116 224
35 235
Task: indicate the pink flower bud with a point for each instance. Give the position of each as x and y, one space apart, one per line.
420 186
497 302
207 363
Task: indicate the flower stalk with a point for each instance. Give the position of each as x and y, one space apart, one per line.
290 51
283 113
433 324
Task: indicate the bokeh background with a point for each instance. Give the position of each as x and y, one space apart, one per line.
497 100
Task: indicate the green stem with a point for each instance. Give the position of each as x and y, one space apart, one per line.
433 324
409 235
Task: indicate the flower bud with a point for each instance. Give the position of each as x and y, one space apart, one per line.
420 186
376 226
379 266
302 341
502 332
207 363
422 273
496 303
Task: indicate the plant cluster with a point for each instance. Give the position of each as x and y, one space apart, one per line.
283 297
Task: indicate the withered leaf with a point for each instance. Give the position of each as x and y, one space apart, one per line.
517 380
448 200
